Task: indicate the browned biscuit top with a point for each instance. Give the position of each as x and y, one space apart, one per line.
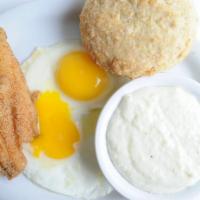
137 37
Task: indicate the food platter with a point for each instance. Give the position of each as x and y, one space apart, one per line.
45 22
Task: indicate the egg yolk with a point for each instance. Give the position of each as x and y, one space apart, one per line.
58 133
79 77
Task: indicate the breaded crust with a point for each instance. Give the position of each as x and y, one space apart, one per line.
18 118
137 37
24 111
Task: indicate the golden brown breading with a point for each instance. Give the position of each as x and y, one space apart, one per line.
12 160
24 111
35 95
18 118
137 37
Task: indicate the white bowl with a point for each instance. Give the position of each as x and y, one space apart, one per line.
107 167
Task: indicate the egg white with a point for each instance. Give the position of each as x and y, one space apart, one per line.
79 175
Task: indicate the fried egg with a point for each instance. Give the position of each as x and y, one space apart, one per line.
72 91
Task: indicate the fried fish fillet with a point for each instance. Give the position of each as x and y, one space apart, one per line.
18 118
11 158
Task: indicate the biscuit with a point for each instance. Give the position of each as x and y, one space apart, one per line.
137 37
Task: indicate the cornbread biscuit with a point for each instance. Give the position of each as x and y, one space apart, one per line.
137 37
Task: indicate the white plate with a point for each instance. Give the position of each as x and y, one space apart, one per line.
45 22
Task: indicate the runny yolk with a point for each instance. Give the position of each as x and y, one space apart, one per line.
79 77
58 133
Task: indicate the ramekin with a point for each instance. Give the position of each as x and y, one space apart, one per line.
119 183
